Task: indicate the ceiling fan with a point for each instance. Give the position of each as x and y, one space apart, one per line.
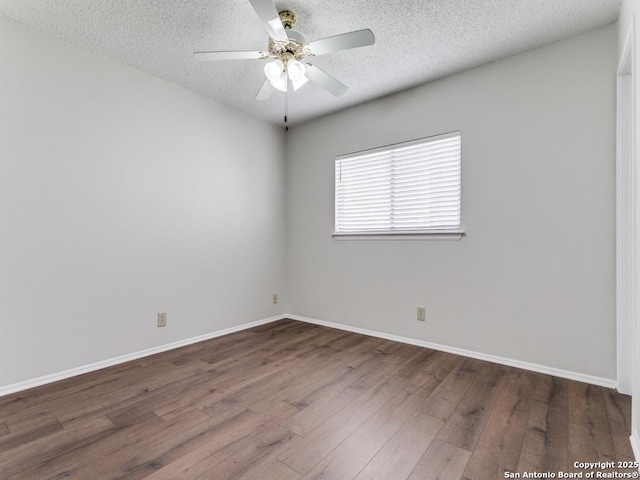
288 50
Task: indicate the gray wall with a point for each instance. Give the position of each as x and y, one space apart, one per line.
122 195
534 278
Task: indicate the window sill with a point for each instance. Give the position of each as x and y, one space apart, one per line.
434 235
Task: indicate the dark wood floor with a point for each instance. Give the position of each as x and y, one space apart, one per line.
290 400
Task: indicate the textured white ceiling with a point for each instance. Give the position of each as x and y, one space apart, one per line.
416 40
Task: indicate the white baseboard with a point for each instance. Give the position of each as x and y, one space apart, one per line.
556 372
54 377
92 367
635 445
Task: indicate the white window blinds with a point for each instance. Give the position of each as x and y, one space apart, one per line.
412 187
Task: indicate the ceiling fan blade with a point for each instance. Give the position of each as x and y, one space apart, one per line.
266 90
268 13
359 38
231 55
326 81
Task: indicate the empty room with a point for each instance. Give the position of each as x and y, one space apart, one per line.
294 239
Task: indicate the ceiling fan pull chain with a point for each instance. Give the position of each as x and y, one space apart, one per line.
286 104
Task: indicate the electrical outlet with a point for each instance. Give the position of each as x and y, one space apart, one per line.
420 314
274 298
162 319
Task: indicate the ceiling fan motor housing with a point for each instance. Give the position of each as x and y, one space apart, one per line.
296 45
287 50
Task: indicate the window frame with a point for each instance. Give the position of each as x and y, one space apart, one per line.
426 234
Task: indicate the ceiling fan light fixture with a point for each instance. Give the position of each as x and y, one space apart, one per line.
276 75
274 70
281 83
297 75
296 70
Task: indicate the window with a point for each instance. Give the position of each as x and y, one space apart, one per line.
410 188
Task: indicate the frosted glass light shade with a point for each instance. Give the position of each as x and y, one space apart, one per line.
275 73
280 83
273 70
296 70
